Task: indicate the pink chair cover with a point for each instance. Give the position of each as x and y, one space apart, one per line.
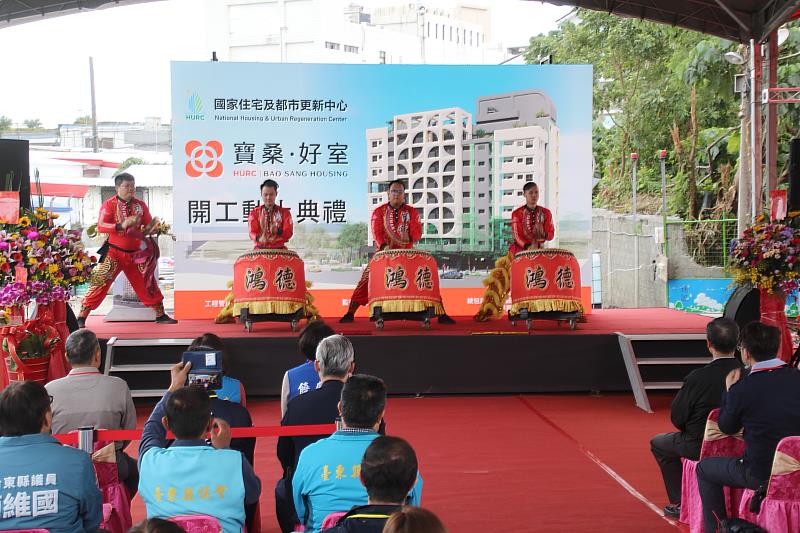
332 518
198 523
115 494
691 504
780 510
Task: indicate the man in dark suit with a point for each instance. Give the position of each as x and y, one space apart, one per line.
766 403
334 363
701 392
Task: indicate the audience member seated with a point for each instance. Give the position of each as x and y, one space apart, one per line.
228 407
45 485
86 397
414 520
303 378
701 392
232 389
334 363
156 525
388 472
327 477
766 404
229 404
191 477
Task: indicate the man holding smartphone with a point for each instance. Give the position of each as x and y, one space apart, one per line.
191 477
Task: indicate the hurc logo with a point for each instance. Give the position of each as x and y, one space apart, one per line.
203 159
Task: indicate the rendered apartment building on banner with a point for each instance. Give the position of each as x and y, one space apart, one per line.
465 177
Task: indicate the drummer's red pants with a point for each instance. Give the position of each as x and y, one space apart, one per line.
361 292
106 272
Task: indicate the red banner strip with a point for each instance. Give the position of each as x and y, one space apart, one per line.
264 431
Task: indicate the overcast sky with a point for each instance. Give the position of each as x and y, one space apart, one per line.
44 65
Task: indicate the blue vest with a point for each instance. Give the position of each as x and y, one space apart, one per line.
302 379
231 390
186 480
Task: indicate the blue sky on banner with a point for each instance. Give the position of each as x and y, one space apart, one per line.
374 94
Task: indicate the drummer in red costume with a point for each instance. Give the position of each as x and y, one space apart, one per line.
270 224
531 227
126 220
395 225
531 224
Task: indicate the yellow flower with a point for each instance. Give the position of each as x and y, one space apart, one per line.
24 221
32 261
52 268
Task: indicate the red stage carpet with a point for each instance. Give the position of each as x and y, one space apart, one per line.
600 321
518 463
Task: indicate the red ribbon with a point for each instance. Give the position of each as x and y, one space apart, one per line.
236 433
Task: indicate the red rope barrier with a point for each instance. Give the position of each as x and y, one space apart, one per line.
263 431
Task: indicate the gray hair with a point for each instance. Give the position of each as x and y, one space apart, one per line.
335 355
81 346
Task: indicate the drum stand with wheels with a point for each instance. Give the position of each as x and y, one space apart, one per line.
379 317
293 318
570 318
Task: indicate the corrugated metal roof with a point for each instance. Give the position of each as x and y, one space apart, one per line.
20 11
736 20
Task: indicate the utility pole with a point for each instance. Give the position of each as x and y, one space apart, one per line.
94 107
662 159
421 17
744 175
772 114
756 76
634 162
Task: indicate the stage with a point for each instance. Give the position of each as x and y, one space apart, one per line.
468 357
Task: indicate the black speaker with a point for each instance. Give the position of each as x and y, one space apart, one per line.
14 160
794 175
744 305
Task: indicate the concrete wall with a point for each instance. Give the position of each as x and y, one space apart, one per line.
614 237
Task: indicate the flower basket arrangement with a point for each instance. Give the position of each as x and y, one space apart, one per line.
767 256
39 262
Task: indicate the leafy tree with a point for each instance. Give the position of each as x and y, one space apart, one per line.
84 120
352 238
33 124
5 123
649 94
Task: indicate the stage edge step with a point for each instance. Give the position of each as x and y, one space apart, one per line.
116 342
638 386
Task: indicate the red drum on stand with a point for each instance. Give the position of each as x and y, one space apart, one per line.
546 281
269 282
404 281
